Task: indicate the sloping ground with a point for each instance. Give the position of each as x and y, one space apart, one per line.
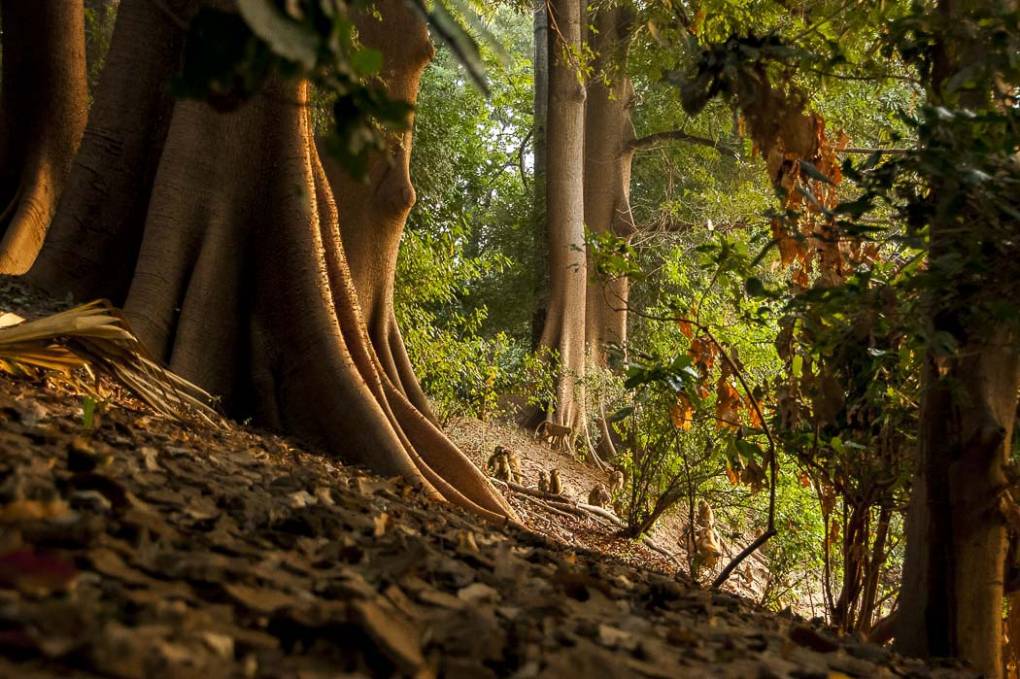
142 547
478 439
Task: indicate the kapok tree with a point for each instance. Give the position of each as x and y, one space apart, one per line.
608 135
375 206
564 328
232 266
43 106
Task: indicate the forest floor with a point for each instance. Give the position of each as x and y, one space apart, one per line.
478 439
145 547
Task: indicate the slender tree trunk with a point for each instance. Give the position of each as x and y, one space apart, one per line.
43 107
93 243
608 154
242 285
564 324
608 132
953 577
954 572
540 234
375 209
873 570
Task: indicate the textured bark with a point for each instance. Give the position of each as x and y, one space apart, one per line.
43 106
241 284
952 596
564 324
608 134
540 115
375 208
92 245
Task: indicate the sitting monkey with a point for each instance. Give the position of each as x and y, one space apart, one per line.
707 549
504 465
599 496
515 465
616 482
543 482
555 485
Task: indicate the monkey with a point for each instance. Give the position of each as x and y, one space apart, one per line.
504 464
515 465
494 459
503 471
599 496
555 485
557 436
618 507
707 549
616 482
543 482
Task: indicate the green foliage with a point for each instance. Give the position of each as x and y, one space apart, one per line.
463 286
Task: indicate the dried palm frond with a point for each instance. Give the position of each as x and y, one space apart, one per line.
96 337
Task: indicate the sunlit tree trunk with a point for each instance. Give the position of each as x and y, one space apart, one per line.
608 154
608 134
375 208
564 324
43 107
242 284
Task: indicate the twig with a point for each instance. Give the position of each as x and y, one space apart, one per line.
744 553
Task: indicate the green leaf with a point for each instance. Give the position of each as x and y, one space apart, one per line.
749 450
288 39
797 366
88 412
367 61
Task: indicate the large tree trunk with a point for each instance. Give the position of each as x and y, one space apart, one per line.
93 243
608 133
43 107
241 284
374 209
564 324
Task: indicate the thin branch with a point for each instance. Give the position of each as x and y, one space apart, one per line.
869 151
677 135
744 553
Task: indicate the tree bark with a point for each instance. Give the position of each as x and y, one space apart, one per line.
951 604
540 233
564 327
242 285
608 133
608 155
953 576
93 243
43 107
375 209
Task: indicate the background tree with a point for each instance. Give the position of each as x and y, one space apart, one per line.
564 328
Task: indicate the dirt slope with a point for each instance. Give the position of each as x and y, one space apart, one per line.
146 548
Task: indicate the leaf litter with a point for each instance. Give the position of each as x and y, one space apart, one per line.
145 547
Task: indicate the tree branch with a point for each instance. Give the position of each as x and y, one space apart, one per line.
678 135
